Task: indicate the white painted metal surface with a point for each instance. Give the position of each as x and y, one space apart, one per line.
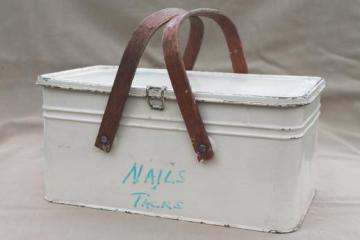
263 129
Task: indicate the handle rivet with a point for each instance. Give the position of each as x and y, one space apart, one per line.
202 148
103 139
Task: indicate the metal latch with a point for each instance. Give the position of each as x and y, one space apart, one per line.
155 97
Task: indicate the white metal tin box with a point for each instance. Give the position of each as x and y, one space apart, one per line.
263 130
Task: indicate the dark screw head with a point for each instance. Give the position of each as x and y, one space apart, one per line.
103 139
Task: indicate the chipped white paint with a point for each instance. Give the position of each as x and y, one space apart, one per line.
263 129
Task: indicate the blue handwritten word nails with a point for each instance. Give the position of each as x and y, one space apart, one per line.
153 177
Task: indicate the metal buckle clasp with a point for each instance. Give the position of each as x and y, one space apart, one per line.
155 97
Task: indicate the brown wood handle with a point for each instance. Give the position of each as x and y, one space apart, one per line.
180 82
129 63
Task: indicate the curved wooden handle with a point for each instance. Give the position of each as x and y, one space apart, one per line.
129 63
180 82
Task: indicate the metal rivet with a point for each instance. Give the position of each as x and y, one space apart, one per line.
103 139
202 148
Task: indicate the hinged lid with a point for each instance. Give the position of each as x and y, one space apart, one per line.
253 89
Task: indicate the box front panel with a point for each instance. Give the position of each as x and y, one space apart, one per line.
253 182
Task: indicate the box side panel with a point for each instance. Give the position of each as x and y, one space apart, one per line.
296 193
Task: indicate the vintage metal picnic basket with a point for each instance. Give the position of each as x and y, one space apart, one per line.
230 149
